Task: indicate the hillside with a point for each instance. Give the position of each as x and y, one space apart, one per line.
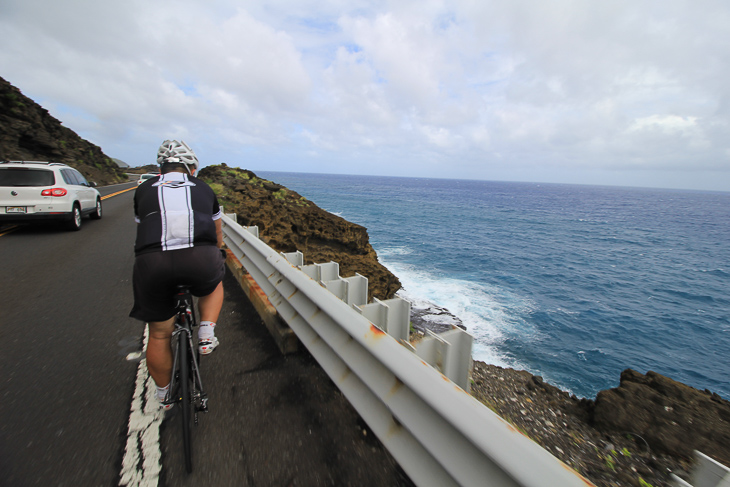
288 222
28 132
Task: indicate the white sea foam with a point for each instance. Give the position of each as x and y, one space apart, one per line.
389 251
487 312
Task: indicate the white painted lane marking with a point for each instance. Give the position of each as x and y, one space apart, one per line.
141 465
134 356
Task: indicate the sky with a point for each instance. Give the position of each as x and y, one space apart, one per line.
620 92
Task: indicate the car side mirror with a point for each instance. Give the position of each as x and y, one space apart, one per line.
92 184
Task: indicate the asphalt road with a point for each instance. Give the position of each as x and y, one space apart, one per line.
67 380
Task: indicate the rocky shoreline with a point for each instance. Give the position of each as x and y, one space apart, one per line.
635 435
562 425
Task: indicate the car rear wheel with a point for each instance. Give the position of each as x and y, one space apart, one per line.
75 223
96 214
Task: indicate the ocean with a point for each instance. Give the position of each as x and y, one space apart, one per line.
573 283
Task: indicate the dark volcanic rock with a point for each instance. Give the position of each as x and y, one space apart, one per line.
288 222
28 132
561 424
670 416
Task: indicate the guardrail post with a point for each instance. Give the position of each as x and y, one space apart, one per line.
295 258
337 287
329 271
392 316
357 289
450 353
232 216
375 312
458 363
431 349
352 290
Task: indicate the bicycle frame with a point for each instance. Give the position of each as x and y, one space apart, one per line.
186 386
184 323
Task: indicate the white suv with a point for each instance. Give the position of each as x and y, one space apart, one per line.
33 191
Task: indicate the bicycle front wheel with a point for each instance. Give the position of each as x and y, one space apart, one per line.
186 400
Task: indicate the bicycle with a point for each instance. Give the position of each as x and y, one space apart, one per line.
186 388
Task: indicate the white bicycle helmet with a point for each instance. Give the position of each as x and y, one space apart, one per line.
172 151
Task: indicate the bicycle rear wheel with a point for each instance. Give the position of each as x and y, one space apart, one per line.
186 399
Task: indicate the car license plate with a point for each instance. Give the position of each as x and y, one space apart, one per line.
15 209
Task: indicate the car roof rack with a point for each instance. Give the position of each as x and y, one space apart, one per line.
34 162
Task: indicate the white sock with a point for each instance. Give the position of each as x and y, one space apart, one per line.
162 391
206 330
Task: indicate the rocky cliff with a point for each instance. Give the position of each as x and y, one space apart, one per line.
672 417
29 132
288 222
633 435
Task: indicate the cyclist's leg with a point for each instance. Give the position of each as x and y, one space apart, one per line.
210 305
204 268
153 291
159 353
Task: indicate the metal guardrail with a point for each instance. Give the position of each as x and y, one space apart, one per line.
705 473
449 352
392 315
439 434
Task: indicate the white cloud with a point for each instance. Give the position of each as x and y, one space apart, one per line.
669 124
510 90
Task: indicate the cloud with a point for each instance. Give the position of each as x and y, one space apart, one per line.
511 90
669 124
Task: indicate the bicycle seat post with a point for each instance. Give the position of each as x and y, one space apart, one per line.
184 302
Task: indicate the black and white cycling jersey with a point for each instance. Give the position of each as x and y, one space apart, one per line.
174 211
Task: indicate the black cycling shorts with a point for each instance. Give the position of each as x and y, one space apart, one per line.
156 276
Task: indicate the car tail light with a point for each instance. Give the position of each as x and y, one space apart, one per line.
54 192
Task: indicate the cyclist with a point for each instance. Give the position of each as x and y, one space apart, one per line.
179 238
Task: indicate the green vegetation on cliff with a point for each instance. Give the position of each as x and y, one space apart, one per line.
288 222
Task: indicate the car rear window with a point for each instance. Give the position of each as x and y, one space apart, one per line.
21 176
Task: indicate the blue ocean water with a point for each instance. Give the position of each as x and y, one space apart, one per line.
574 283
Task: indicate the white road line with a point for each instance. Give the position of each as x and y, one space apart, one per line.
141 464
